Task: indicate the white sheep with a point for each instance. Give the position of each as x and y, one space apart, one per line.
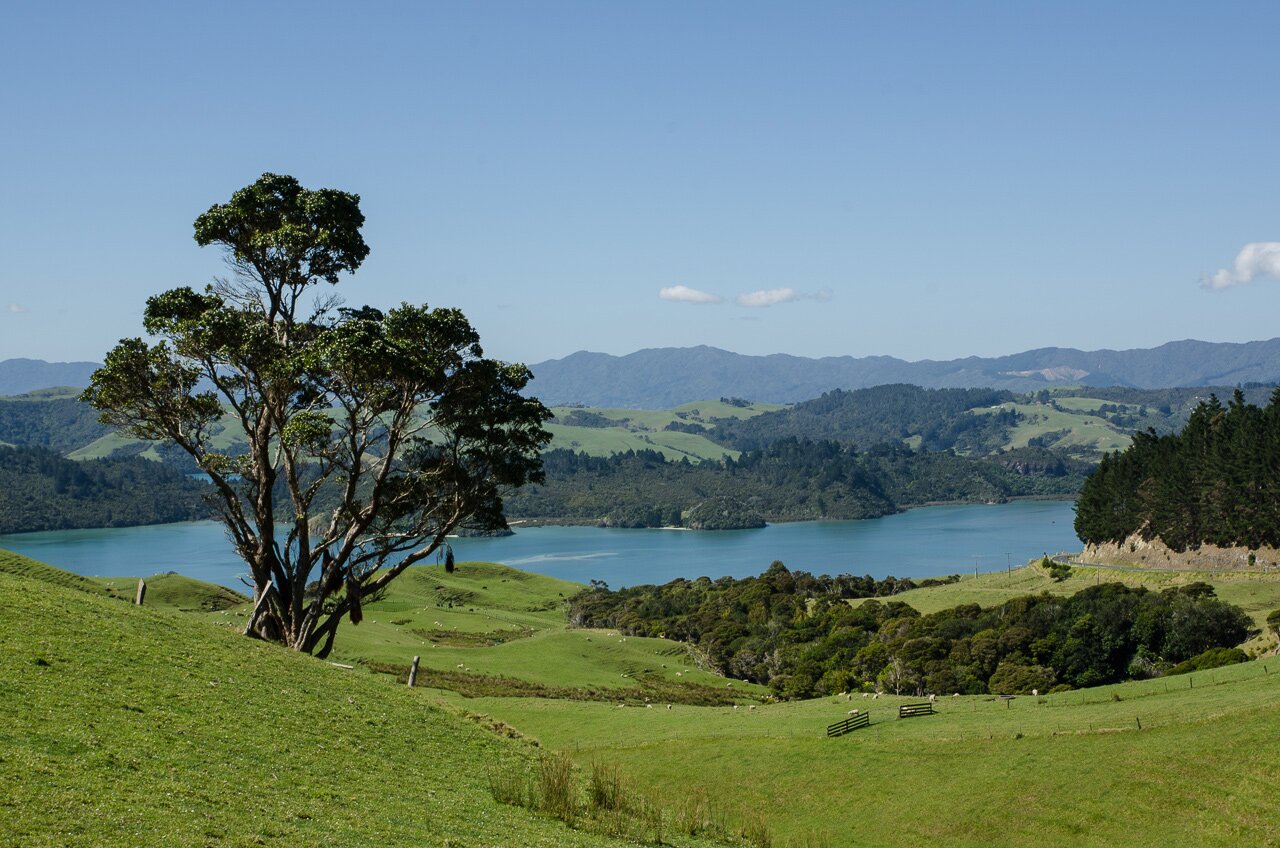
668 706
1035 692
853 712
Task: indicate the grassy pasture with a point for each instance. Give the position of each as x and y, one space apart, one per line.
1057 770
525 614
603 441
138 726
1067 769
642 429
1086 431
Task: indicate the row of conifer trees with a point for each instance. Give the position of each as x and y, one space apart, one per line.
1217 482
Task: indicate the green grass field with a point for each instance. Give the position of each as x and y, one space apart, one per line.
603 441
643 429
1085 431
138 726
1182 760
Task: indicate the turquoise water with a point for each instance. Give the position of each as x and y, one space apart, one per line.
923 542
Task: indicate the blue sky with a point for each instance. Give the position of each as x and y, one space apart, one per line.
923 180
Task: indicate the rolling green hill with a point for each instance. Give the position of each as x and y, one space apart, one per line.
133 726
189 734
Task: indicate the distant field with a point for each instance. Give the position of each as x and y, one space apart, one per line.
643 429
603 441
1084 431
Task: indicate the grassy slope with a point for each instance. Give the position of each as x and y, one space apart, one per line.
135 726
1086 431
524 609
642 429
1062 770
1053 771
603 441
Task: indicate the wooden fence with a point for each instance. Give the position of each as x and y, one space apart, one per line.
850 724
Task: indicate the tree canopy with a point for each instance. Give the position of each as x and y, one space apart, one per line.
371 435
1216 482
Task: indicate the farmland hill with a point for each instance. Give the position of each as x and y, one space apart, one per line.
659 378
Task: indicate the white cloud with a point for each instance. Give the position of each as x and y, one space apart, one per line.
767 297
684 294
17 308
1256 259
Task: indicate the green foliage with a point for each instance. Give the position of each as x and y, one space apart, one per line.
798 634
1216 482
369 435
1059 571
1273 621
1212 658
59 424
43 491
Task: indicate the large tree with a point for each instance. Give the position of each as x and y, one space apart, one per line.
370 435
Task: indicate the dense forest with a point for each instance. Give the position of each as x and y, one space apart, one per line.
790 480
1216 482
799 634
44 491
60 424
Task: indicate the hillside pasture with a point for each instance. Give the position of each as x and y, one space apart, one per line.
1082 431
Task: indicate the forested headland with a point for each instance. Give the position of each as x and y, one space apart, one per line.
1216 482
790 480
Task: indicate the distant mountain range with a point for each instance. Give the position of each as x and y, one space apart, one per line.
660 378
18 376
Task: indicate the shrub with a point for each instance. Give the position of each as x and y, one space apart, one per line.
1212 658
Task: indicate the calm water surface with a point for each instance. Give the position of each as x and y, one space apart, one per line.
923 542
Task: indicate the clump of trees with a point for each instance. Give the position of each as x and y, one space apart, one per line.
799 634
1216 482
371 435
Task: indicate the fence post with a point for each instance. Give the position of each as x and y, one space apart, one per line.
413 672
141 593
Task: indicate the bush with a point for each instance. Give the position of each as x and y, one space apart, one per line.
1212 658
1013 678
